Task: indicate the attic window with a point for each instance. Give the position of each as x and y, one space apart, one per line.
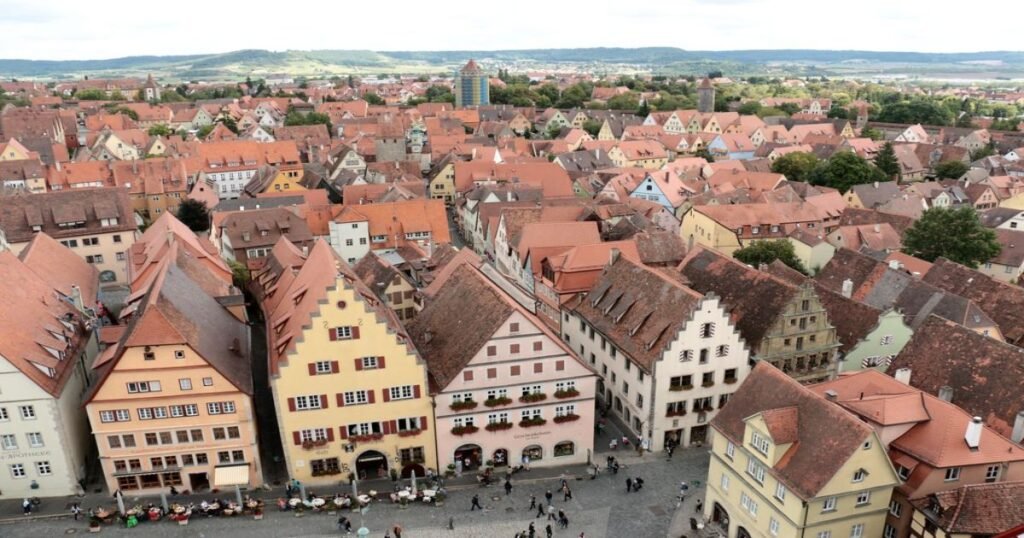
148 354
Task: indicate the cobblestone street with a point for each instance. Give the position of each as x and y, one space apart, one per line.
600 508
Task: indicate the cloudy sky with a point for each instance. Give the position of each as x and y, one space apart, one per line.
76 29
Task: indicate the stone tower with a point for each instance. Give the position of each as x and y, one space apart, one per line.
706 96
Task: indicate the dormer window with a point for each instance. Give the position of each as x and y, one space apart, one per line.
759 442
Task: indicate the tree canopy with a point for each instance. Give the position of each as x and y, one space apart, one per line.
955 234
768 251
950 169
311 118
373 98
887 162
844 170
194 214
796 166
916 111
160 129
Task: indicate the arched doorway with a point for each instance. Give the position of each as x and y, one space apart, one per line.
468 454
742 533
500 457
720 516
413 467
371 464
532 453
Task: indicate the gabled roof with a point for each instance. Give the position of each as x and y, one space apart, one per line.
821 428
754 299
984 373
152 246
1003 302
976 509
641 310
60 267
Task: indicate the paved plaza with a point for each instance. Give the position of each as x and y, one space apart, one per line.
600 508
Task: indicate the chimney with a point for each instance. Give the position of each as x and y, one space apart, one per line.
847 288
305 250
973 434
903 375
170 236
1018 428
894 265
946 393
878 228
76 297
613 256
831 395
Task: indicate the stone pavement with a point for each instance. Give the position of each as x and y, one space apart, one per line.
601 508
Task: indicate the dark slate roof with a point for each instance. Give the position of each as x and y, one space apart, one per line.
820 428
984 373
754 299
858 217
639 309
19 212
976 509
457 323
1003 302
660 248
375 273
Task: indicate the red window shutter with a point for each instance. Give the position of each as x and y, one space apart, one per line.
335 368
380 362
330 434
467 375
386 394
538 346
323 401
515 370
291 404
492 373
513 348
538 367
415 391
370 395
492 351
297 438
341 400
312 368
423 423
355 333
343 432
359 364
333 334
559 366
394 426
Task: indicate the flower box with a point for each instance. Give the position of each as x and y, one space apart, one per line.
409 433
566 418
312 445
463 430
367 438
567 393
679 413
730 380
707 384
531 422
498 426
462 406
495 402
533 397
677 388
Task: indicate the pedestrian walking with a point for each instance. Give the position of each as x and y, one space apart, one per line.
613 444
551 513
387 533
671 448
566 493
76 511
563 520
700 504
629 484
398 531
532 531
548 531
508 487
540 511
476 503
548 496
533 502
615 466
26 506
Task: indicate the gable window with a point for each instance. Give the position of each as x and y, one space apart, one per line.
863 498
859 475
185 383
707 330
686 355
992 473
759 442
341 333
179 354
952 474
829 505
903 472
721 351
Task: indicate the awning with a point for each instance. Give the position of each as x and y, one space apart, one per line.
231 475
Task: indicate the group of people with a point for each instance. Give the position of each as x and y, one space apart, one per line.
634 484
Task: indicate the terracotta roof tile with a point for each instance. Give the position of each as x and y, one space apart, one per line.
977 509
1003 302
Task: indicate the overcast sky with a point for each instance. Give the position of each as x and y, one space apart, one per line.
77 29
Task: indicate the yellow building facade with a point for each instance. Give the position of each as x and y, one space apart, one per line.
349 389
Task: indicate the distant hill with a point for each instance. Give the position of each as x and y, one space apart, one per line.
241 63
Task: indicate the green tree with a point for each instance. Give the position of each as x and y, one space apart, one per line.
311 118
240 273
950 169
844 170
373 98
573 97
230 123
592 127
160 129
922 111
90 95
796 166
116 95
124 110
626 101
872 133
194 214
887 162
750 108
204 131
766 252
440 94
705 154
955 234
789 108
987 151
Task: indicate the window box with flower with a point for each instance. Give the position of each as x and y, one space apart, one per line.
498 426
464 430
314 444
567 393
531 422
410 433
369 438
533 397
566 418
463 405
677 388
495 402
